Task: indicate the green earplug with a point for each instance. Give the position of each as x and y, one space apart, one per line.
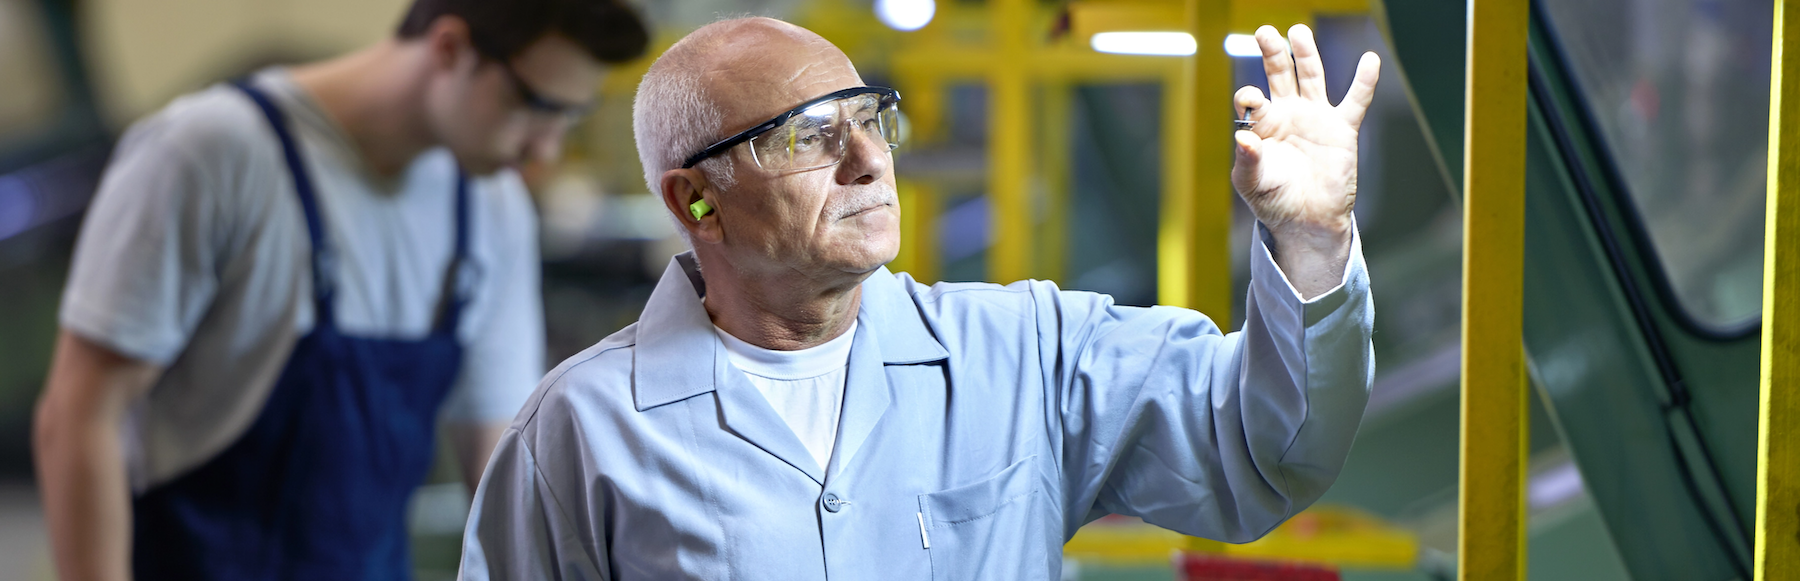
700 208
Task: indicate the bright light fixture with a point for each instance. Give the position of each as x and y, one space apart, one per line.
905 15
1242 45
1146 43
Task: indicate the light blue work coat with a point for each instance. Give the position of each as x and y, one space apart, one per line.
981 426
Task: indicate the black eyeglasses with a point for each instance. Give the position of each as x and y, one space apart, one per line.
810 137
535 101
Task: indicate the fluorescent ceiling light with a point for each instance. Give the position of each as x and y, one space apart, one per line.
1242 45
905 15
1148 43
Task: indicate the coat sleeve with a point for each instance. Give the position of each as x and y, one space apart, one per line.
517 528
1221 436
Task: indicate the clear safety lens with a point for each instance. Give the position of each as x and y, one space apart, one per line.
819 136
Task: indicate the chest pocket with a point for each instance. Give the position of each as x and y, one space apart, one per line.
992 529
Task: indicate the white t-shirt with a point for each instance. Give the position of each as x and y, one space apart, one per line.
194 256
805 387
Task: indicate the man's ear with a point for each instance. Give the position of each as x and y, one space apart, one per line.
684 193
449 42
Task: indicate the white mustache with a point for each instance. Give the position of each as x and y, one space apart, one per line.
861 199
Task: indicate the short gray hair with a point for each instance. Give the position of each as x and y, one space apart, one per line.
673 117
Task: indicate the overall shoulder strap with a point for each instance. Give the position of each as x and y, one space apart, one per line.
459 283
315 225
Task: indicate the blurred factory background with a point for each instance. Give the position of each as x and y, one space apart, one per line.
1645 205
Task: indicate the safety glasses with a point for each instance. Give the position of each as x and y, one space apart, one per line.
817 133
540 107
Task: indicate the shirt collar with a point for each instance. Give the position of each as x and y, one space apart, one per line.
677 348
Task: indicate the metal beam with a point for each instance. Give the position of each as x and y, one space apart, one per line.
1087 17
1209 234
919 209
1009 137
1495 423
1194 238
1778 429
1174 220
1056 165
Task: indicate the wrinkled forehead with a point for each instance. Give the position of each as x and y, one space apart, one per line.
760 76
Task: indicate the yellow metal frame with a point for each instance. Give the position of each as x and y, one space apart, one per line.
1009 139
1495 429
1028 232
1193 261
1204 275
1778 429
1087 17
1343 536
1337 535
1055 165
918 230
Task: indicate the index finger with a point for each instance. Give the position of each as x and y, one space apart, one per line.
1276 61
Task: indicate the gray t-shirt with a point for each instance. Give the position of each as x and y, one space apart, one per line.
195 256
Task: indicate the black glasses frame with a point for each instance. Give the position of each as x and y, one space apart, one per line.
534 100
888 97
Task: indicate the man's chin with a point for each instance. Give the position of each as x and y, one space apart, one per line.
870 258
485 166
485 169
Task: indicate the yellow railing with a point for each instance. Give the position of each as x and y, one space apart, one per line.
1009 149
1336 535
1491 527
1029 234
1028 136
1778 432
1194 243
1055 165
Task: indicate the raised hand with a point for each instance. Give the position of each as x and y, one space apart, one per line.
1296 167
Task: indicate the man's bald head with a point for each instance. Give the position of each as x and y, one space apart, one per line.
724 78
831 225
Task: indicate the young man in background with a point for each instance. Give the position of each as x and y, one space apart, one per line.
285 282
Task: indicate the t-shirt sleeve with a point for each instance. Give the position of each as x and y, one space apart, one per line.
147 260
503 348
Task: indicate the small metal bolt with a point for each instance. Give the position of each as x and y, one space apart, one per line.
1245 123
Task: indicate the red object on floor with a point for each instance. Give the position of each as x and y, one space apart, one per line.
1202 567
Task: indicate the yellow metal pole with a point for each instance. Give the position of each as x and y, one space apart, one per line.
918 231
1054 164
1175 220
1491 531
1778 429
1009 162
1193 253
1209 233
906 258
924 107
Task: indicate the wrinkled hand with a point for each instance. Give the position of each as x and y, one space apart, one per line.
1297 167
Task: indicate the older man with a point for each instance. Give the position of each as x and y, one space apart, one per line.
786 408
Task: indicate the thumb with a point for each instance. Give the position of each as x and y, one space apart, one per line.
1249 161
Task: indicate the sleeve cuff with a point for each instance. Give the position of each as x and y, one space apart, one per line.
1271 286
122 337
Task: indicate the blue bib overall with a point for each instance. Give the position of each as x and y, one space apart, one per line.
317 487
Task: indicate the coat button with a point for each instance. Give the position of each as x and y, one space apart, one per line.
833 503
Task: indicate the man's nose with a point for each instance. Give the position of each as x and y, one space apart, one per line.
865 158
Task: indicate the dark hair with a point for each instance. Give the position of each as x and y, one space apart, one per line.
610 31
